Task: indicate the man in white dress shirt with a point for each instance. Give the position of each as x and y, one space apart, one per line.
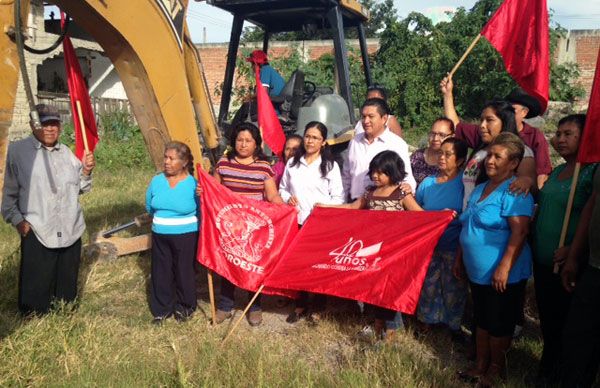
376 138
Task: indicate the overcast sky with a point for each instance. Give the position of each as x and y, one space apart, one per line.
571 14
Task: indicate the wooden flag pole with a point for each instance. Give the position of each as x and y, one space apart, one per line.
82 124
565 226
464 56
243 314
211 295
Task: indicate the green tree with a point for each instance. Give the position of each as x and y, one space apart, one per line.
415 55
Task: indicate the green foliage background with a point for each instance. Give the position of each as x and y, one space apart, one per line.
414 56
121 142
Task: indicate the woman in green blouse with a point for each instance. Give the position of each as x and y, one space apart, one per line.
552 300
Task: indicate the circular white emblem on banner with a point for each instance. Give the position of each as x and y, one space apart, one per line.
244 231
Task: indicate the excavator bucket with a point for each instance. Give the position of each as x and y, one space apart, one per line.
200 95
146 43
9 76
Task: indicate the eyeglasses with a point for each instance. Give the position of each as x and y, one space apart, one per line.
441 135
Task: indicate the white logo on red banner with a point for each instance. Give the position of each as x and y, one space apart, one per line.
353 256
243 247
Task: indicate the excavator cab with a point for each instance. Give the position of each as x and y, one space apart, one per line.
301 101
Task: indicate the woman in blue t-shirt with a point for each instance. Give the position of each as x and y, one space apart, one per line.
496 256
171 200
443 296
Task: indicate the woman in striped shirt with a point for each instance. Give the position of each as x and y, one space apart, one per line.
245 170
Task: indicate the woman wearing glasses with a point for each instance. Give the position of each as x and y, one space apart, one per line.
311 177
424 161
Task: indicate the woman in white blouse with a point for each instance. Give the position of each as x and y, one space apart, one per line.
311 177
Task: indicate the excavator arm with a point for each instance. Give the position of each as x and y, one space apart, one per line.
9 75
148 43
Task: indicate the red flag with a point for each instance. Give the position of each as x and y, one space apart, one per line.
242 239
269 124
589 145
78 92
519 31
383 264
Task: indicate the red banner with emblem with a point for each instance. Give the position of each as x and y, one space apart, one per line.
242 239
377 257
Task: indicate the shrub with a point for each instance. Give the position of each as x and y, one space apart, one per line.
121 142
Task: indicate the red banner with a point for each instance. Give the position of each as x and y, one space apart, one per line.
78 92
589 145
519 31
269 124
242 239
378 257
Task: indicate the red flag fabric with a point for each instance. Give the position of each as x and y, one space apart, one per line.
242 239
78 92
589 145
269 124
378 257
519 31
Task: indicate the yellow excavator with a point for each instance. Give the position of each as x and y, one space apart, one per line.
150 47
148 43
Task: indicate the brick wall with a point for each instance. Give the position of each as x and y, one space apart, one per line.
581 47
214 57
587 54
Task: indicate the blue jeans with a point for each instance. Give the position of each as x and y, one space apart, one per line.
226 301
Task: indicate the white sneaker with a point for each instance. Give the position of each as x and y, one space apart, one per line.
367 333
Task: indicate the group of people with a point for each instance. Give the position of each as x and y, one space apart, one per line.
489 251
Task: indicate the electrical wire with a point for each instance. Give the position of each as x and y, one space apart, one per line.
58 41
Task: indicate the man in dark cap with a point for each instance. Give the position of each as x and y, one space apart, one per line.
269 77
41 200
526 107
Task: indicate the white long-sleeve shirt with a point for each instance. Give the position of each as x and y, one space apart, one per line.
304 181
360 153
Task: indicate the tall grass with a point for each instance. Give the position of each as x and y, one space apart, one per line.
108 339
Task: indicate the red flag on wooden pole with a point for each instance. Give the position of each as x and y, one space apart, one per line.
519 31
268 122
383 264
589 145
79 95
